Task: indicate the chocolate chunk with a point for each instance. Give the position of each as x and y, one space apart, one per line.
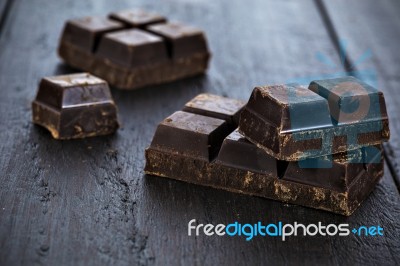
133 48
292 123
190 135
123 51
85 32
179 152
182 40
75 106
216 106
137 18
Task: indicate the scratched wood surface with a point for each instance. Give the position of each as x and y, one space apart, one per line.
88 202
374 47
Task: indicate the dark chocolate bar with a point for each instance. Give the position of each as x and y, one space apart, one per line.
291 122
133 48
75 106
197 147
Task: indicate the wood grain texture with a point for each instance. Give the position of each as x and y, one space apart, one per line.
87 202
371 31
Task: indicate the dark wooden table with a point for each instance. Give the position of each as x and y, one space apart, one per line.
88 202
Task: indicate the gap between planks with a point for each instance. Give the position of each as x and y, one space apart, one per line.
350 68
4 14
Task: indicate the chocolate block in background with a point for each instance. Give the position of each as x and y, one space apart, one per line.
85 32
122 50
133 48
182 40
137 18
216 106
242 167
75 106
291 122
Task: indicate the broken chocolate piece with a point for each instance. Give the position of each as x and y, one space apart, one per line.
182 40
292 123
137 18
75 106
242 167
123 51
216 106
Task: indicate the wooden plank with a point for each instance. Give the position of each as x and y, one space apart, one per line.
88 201
371 31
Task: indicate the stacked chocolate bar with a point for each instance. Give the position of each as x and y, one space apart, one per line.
318 147
134 48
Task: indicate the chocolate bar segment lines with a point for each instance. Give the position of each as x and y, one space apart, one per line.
134 48
180 150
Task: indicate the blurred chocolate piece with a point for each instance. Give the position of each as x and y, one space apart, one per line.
122 50
75 106
85 32
133 48
137 18
179 152
216 106
182 40
292 123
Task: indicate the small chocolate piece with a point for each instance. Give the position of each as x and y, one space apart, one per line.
182 40
75 106
216 106
133 48
292 123
242 167
123 51
190 135
85 32
137 18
